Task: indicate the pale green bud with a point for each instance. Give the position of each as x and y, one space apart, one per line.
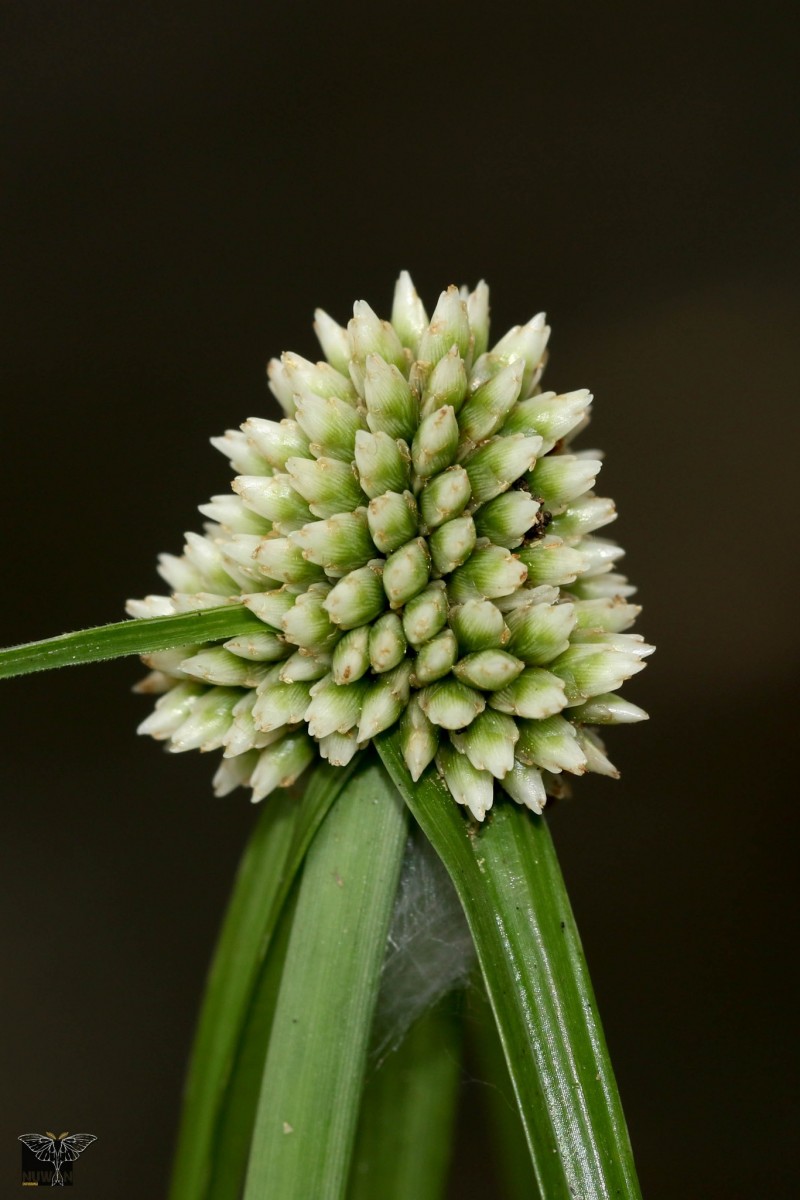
207 723
231 515
489 670
358 597
435 658
243 735
599 554
560 478
234 772
450 703
333 339
240 453
216 567
259 646
369 335
305 666
478 625
321 379
494 466
217 665
334 708
171 710
425 614
594 749
435 442
478 313
452 543
535 693
339 748
281 704
474 789
608 709
387 643
307 622
392 406
270 607
583 516
328 485
351 655
383 463
589 670
490 571
392 520
273 498
489 743
526 595
408 313
237 559
540 632
279 385
506 519
169 661
527 342
275 441
282 559
445 496
487 408
419 738
525 785
406 572
603 587
340 544
181 576
384 701
329 424
552 417
447 384
550 561
550 745
280 764
449 326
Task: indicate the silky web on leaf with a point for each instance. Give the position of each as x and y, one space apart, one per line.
418 537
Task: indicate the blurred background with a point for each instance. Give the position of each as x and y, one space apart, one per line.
183 184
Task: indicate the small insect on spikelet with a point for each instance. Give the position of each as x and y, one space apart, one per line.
418 537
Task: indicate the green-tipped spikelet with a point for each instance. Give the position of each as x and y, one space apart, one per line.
418 538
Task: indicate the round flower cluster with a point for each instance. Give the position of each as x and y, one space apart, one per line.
417 537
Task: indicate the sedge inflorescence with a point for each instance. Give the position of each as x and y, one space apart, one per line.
418 537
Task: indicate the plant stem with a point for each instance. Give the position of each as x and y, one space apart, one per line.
270 864
508 879
313 1079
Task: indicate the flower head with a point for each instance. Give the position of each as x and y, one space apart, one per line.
418 538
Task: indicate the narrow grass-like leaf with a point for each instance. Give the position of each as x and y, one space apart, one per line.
405 1131
269 867
308 1110
486 1060
141 635
234 1128
507 876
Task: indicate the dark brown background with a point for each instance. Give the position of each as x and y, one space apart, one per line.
183 184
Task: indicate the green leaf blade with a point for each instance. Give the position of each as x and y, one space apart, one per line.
142 635
507 877
217 1078
308 1111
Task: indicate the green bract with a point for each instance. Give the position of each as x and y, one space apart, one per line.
417 536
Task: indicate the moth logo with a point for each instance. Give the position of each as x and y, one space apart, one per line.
45 1154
